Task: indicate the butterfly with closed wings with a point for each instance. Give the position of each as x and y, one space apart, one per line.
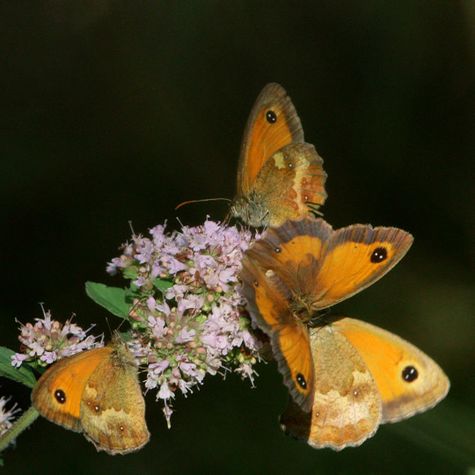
280 176
96 392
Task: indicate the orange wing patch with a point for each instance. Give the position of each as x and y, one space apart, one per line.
407 379
272 124
58 397
356 257
291 347
266 297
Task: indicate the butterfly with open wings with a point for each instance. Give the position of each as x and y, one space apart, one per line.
345 376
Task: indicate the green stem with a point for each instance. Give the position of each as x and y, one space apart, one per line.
25 420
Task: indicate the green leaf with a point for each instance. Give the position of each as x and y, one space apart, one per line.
111 298
23 374
162 285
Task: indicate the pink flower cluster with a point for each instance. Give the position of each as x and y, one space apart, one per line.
189 317
48 340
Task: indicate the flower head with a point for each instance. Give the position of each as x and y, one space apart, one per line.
48 340
188 318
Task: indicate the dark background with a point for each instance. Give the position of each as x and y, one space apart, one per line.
117 111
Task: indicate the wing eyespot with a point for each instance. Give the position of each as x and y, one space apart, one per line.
60 396
271 117
301 380
409 374
380 254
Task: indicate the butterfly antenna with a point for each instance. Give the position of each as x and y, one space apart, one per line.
227 218
184 203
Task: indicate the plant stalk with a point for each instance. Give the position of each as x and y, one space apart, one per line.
25 420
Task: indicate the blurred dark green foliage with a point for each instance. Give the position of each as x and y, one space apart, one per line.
115 111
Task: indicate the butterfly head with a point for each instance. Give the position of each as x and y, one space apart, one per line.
251 210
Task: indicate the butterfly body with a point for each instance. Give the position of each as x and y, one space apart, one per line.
280 176
96 392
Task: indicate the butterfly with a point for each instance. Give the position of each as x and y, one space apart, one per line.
280 177
96 392
335 377
364 376
303 267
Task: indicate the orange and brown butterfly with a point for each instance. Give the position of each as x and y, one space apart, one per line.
280 177
96 392
303 267
364 376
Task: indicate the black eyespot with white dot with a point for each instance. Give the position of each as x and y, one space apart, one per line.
379 255
301 380
277 250
271 117
60 396
409 374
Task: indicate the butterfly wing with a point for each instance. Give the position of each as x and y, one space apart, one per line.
57 394
293 251
364 376
329 266
356 257
408 380
272 124
290 184
268 306
346 406
112 405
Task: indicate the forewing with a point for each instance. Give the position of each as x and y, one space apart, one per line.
268 306
354 258
272 124
57 394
